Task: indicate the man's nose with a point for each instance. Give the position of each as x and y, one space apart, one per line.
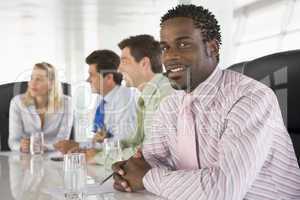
171 54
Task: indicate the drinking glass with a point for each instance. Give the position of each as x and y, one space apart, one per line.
75 171
37 143
112 153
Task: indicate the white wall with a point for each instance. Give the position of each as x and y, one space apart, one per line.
223 10
64 32
29 36
121 19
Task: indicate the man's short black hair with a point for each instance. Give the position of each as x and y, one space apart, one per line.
144 46
202 18
107 62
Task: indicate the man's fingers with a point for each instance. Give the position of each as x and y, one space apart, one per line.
59 145
121 184
118 187
128 189
117 167
138 154
74 150
120 181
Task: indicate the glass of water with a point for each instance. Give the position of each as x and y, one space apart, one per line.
37 143
75 171
113 153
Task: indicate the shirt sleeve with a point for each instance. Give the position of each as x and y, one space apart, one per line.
246 140
155 146
123 121
16 130
66 124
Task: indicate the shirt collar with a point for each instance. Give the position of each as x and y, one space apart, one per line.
110 95
206 90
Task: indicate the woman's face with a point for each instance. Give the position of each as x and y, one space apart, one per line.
39 84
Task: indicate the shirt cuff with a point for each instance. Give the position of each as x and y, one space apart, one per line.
152 180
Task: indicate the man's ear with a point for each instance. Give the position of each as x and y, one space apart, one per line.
109 77
212 48
146 62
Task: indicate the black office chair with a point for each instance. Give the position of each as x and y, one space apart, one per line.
281 72
7 92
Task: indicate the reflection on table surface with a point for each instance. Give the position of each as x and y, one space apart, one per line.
26 177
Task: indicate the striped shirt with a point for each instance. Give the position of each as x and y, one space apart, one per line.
243 147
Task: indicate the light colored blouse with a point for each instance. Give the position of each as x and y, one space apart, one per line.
25 120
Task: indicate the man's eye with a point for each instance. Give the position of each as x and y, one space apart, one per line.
183 45
163 48
124 62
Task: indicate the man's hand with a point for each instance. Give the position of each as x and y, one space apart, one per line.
65 145
99 136
25 145
89 153
77 150
129 174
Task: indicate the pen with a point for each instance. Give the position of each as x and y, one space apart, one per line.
107 178
111 175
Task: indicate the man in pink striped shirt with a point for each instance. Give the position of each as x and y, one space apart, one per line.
221 136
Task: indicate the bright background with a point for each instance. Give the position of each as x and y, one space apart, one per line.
64 32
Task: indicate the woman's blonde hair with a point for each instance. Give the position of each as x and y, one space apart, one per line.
55 94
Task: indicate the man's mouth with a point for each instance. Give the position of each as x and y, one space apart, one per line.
178 69
175 71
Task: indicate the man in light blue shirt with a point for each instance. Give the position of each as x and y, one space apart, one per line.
115 115
116 111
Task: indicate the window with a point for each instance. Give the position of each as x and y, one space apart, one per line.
264 27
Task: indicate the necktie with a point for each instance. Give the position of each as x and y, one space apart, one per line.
186 140
99 117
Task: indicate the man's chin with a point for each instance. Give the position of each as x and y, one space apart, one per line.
95 91
177 86
128 84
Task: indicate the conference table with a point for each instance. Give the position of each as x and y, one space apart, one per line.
26 177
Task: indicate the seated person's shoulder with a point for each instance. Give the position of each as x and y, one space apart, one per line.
241 85
18 100
128 93
171 101
165 86
164 89
128 90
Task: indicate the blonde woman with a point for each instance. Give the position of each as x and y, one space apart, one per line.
42 108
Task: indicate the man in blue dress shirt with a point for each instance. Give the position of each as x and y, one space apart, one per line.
115 115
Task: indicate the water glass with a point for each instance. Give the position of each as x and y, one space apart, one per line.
112 152
37 143
75 171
